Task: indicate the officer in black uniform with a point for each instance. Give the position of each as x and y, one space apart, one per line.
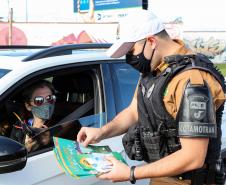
174 120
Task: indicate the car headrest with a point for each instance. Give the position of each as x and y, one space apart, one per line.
79 83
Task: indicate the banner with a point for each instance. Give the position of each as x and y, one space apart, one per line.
104 5
57 33
212 44
104 10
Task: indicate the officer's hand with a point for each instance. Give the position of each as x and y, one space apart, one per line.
88 135
120 171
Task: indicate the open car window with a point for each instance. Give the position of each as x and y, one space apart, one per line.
79 102
43 138
61 130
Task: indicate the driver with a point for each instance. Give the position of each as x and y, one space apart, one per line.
39 100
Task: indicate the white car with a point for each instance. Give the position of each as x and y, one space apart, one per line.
89 85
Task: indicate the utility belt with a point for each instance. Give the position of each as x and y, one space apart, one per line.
209 174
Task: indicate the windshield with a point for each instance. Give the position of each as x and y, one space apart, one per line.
3 72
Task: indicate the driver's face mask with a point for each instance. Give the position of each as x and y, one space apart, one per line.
139 62
44 111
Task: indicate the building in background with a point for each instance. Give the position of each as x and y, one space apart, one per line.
203 24
77 21
69 11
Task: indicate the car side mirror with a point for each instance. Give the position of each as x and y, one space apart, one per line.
13 155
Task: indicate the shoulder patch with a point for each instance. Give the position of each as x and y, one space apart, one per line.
197 114
195 129
197 107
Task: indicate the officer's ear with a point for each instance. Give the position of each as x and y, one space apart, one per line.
152 41
28 106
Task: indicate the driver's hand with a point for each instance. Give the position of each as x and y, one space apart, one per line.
89 135
31 144
45 138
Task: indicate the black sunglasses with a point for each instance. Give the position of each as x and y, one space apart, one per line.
39 100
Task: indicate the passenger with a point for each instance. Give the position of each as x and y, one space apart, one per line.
39 100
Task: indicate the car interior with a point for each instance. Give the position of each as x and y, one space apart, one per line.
76 95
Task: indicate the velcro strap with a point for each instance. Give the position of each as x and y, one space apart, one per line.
169 132
196 77
196 129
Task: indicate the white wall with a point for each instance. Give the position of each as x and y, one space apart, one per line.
197 15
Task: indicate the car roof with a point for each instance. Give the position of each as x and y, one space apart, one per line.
18 69
13 57
8 62
18 52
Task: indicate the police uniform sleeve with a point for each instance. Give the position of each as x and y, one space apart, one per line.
196 116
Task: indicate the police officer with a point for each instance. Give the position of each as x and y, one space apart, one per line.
174 120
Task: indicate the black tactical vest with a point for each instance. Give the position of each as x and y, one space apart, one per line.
156 134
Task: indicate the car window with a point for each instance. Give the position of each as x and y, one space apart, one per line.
124 82
77 99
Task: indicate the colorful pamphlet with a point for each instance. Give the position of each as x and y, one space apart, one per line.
80 162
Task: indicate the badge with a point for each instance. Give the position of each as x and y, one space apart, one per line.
198 107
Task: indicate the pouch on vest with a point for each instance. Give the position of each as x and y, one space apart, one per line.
132 144
154 146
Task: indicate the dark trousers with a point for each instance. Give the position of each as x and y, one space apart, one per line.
169 181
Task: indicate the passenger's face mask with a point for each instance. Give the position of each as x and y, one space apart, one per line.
139 62
44 111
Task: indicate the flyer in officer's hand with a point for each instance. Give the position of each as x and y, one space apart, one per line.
80 162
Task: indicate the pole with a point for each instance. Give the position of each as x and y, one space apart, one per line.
145 4
10 26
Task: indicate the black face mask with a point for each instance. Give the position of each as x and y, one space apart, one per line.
139 62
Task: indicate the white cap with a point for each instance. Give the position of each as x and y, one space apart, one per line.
134 27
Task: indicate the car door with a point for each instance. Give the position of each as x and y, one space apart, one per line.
42 167
120 82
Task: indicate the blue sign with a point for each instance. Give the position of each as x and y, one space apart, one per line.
107 4
84 5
